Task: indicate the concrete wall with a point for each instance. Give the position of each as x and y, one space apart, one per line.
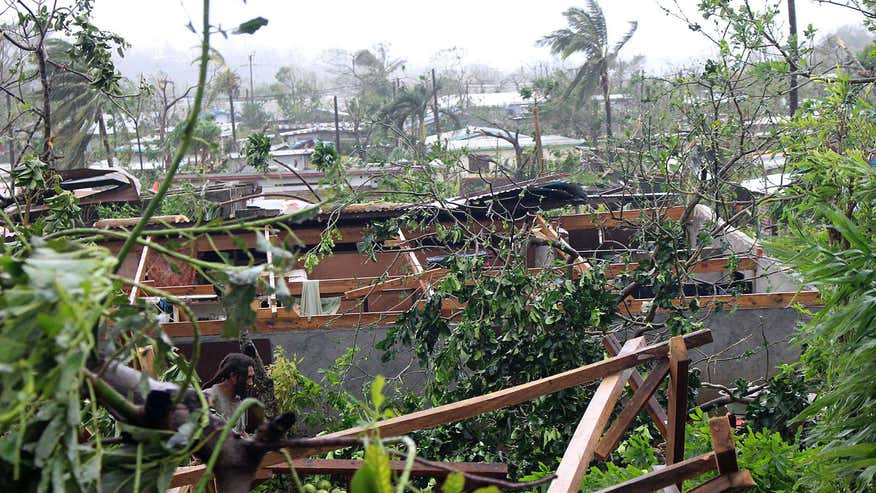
747 344
318 349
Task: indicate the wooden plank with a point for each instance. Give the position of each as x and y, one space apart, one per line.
703 266
623 421
334 286
397 283
722 444
287 322
579 453
189 290
726 483
742 301
615 219
679 363
344 467
272 298
666 476
655 410
457 411
581 265
666 489
138 275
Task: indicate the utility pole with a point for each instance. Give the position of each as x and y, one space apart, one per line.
435 107
792 24
337 128
251 91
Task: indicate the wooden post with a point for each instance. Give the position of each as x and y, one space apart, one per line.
625 418
272 298
666 475
655 410
722 443
583 444
678 367
138 276
726 483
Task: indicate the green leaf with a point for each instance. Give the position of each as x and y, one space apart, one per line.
251 25
454 483
377 392
364 481
488 489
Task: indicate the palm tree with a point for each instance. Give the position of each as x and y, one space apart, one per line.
410 103
77 106
228 81
587 34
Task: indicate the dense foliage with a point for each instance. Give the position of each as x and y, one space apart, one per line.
832 244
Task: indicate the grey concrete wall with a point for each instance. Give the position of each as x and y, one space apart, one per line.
747 344
319 349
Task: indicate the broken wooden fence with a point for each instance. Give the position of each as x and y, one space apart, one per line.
590 438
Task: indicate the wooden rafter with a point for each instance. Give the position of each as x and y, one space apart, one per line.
655 410
580 451
679 363
138 275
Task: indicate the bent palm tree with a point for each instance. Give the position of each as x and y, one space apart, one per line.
78 106
409 103
228 82
587 34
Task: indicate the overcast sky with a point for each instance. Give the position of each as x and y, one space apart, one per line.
499 33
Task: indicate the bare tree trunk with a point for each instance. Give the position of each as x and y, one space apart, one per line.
101 126
162 124
606 95
47 154
11 130
435 107
233 124
139 144
539 154
792 24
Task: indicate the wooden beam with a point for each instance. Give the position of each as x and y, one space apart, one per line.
655 410
581 265
287 322
434 275
189 475
623 421
742 301
457 411
722 444
343 467
189 290
615 219
679 363
579 453
272 298
412 281
727 483
703 266
138 275
290 322
335 287
666 476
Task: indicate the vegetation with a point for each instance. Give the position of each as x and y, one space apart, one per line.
78 415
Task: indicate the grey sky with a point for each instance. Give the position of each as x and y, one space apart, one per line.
499 33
